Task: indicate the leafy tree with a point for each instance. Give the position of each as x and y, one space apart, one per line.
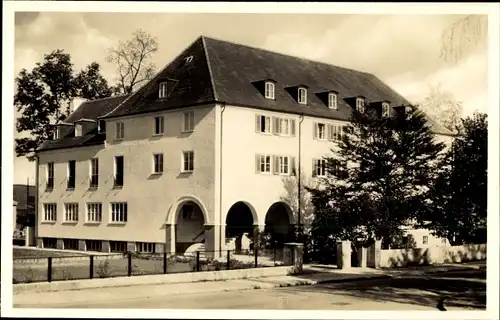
44 96
458 210
133 58
442 107
462 36
378 177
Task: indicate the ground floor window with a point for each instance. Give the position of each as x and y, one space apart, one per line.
70 244
50 243
118 246
146 247
93 245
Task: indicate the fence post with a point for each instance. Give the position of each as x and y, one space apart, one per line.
228 266
164 263
256 255
197 261
129 269
91 271
49 269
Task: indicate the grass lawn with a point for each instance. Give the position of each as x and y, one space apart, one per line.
37 253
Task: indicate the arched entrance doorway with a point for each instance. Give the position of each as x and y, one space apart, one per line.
279 224
239 221
189 227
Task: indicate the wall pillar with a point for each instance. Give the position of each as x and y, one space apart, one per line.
294 253
169 245
160 248
212 242
362 256
39 242
82 245
131 247
60 244
15 216
373 254
105 246
344 254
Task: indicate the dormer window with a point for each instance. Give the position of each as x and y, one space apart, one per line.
386 111
56 133
162 92
269 90
360 105
102 126
408 110
302 98
78 130
332 101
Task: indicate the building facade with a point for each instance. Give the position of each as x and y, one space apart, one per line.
200 154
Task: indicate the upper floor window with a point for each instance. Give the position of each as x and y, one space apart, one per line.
159 125
162 92
263 163
335 132
187 161
71 212
283 164
119 166
78 129
158 163
385 110
332 101
269 90
302 96
94 172
120 130
319 167
50 175
49 212
262 124
94 212
425 239
284 126
360 105
71 174
320 131
188 123
119 212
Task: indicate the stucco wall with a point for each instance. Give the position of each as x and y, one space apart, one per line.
432 241
432 255
150 197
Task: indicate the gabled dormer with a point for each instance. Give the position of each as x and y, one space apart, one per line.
83 126
266 87
357 102
382 108
165 87
299 93
60 130
402 110
329 98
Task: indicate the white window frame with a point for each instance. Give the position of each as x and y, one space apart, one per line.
332 101
425 239
159 125
56 133
188 121
190 157
78 130
94 172
118 212
49 212
94 212
158 163
320 168
318 131
145 247
360 105
263 163
284 163
267 124
162 90
119 130
71 212
385 110
50 174
284 123
269 90
302 96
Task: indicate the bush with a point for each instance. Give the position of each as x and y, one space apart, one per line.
103 269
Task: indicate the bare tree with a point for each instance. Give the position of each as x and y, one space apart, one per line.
462 36
442 107
134 60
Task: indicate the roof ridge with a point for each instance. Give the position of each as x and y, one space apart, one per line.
286 55
155 76
210 74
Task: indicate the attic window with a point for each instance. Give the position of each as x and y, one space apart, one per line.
102 126
162 92
302 98
188 59
78 130
56 133
360 105
332 101
408 109
269 92
385 110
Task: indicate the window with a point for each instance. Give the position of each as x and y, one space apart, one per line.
49 212
159 125
269 92
56 133
102 126
119 171
162 92
334 132
71 212
284 127
319 166
187 161
332 101
71 174
70 244
93 245
425 240
302 96
119 212
50 175
120 130
78 130
94 212
94 172
360 105
284 165
188 121
145 247
262 124
320 131
117 246
50 243
263 164
408 110
158 163
385 110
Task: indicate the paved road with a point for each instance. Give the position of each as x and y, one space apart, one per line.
466 290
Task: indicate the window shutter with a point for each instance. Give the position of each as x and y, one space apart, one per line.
314 164
275 164
257 163
292 166
329 132
257 123
292 127
276 123
315 130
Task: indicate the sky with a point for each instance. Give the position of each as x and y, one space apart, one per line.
402 50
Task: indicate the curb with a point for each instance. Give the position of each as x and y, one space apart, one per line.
355 279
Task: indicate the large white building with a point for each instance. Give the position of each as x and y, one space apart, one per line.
198 154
